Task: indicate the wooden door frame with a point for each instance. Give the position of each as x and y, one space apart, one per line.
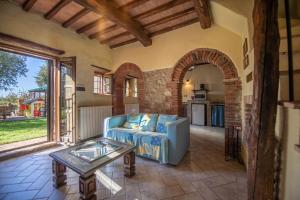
74 109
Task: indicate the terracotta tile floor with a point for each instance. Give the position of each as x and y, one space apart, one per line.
202 175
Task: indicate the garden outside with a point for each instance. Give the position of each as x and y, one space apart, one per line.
20 130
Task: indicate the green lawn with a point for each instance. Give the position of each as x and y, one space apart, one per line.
13 131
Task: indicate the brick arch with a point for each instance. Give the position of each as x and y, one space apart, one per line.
232 83
126 69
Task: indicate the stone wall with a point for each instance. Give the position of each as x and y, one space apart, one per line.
156 90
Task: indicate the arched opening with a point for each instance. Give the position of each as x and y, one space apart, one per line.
127 73
203 95
232 83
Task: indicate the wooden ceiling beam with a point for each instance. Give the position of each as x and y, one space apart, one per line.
104 31
56 8
169 18
160 8
76 17
110 11
28 5
91 25
203 11
154 23
123 43
151 12
164 30
124 8
127 7
177 26
107 40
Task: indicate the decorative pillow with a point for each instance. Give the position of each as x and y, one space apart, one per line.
162 121
148 122
133 121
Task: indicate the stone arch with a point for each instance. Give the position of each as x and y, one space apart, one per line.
126 69
232 83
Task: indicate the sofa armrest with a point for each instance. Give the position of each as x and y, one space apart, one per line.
179 139
112 122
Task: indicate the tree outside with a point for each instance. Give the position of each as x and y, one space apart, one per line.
11 67
23 90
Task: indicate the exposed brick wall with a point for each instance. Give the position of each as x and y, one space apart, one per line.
156 91
232 82
118 87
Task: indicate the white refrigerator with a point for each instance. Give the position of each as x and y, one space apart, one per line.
199 114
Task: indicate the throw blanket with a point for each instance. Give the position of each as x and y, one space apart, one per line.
148 144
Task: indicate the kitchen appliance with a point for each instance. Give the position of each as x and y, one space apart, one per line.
200 94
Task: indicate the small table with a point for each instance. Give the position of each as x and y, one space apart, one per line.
85 158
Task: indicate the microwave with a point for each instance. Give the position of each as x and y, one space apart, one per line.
200 95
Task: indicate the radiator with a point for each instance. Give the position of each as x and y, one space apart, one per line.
131 108
92 120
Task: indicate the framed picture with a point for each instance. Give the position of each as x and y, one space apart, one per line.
246 61
245 47
249 77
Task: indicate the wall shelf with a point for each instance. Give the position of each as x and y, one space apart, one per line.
290 104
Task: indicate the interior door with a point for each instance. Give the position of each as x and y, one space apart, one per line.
67 99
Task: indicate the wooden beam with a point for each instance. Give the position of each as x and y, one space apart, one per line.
111 12
107 40
153 11
28 44
104 31
76 17
169 18
160 8
124 8
28 5
154 23
164 30
261 131
57 8
123 43
132 4
203 11
93 24
177 26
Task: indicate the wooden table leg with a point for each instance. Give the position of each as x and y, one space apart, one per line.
87 187
59 178
129 164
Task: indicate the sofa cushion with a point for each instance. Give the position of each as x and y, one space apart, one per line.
148 122
162 121
133 121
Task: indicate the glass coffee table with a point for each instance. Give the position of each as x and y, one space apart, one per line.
85 158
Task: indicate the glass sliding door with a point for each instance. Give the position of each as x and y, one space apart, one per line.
67 100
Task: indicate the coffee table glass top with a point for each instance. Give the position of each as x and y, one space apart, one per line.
85 158
94 150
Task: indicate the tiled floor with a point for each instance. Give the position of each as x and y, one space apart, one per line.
202 175
15 145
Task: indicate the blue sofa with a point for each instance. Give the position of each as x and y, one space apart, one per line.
164 138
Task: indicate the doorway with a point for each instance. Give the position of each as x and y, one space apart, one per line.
24 100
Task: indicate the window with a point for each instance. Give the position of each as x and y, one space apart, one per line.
107 85
102 83
131 87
